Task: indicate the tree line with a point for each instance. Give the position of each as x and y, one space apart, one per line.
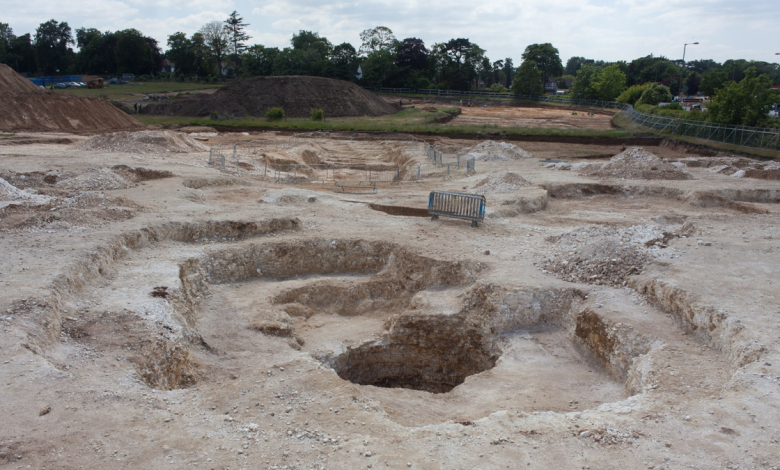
219 49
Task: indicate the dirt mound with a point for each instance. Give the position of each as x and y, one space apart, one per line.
496 151
637 163
96 180
499 183
607 255
28 108
11 83
10 194
144 142
297 95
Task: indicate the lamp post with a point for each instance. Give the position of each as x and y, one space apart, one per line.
683 62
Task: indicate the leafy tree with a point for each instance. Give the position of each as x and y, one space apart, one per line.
655 93
712 81
379 69
180 52
258 60
693 83
6 39
22 54
701 66
528 80
631 94
343 62
236 36
585 84
375 39
508 69
575 63
201 55
309 54
51 47
610 83
547 60
216 40
133 54
652 69
497 67
747 103
97 54
412 53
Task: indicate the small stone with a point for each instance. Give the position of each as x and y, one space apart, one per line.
368 454
408 464
487 252
687 418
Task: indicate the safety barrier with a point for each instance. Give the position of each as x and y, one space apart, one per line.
742 136
457 205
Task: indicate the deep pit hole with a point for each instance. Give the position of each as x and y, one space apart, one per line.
429 353
400 210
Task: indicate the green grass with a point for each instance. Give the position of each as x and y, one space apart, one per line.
128 92
7 135
410 120
620 121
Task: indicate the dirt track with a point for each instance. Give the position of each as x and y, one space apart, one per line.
210 320
531 117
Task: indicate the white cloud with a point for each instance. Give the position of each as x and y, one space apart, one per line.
598 29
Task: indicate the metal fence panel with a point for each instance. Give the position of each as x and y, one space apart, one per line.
457 205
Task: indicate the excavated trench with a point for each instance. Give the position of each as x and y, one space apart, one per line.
380 315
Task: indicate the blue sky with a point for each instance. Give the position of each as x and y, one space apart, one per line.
597 29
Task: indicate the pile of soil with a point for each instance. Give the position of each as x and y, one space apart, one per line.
607 255
144 142
637 163
297 95
94 179
489 151
10 194
501 183
27 107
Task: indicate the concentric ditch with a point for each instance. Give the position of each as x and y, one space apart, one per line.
401 325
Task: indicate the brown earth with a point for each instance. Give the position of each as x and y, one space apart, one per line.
297 95
25 107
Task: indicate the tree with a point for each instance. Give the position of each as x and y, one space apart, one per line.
376 39
215 37
631 94
508 69
712 81
51 47
6 39
236 36
610 83
497 67
379 69
22 54
133 54
575 63
546 58
585 84
181 54
258 60
413 54
655 93
747 103
309 55
528 80
97 54
343 62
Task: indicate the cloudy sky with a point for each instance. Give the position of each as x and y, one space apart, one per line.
597 29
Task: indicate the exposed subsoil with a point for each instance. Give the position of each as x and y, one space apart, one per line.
297 95
26 107
206 319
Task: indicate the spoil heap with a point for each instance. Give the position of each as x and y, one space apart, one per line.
637 163
297 95
26 107
496 151
501 183
144 142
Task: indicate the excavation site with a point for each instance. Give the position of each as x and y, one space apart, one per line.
195 298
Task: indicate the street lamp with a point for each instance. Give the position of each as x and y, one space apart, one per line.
683 62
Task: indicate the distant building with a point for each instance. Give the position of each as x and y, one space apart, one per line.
551 88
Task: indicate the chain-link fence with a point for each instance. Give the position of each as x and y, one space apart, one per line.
743 136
